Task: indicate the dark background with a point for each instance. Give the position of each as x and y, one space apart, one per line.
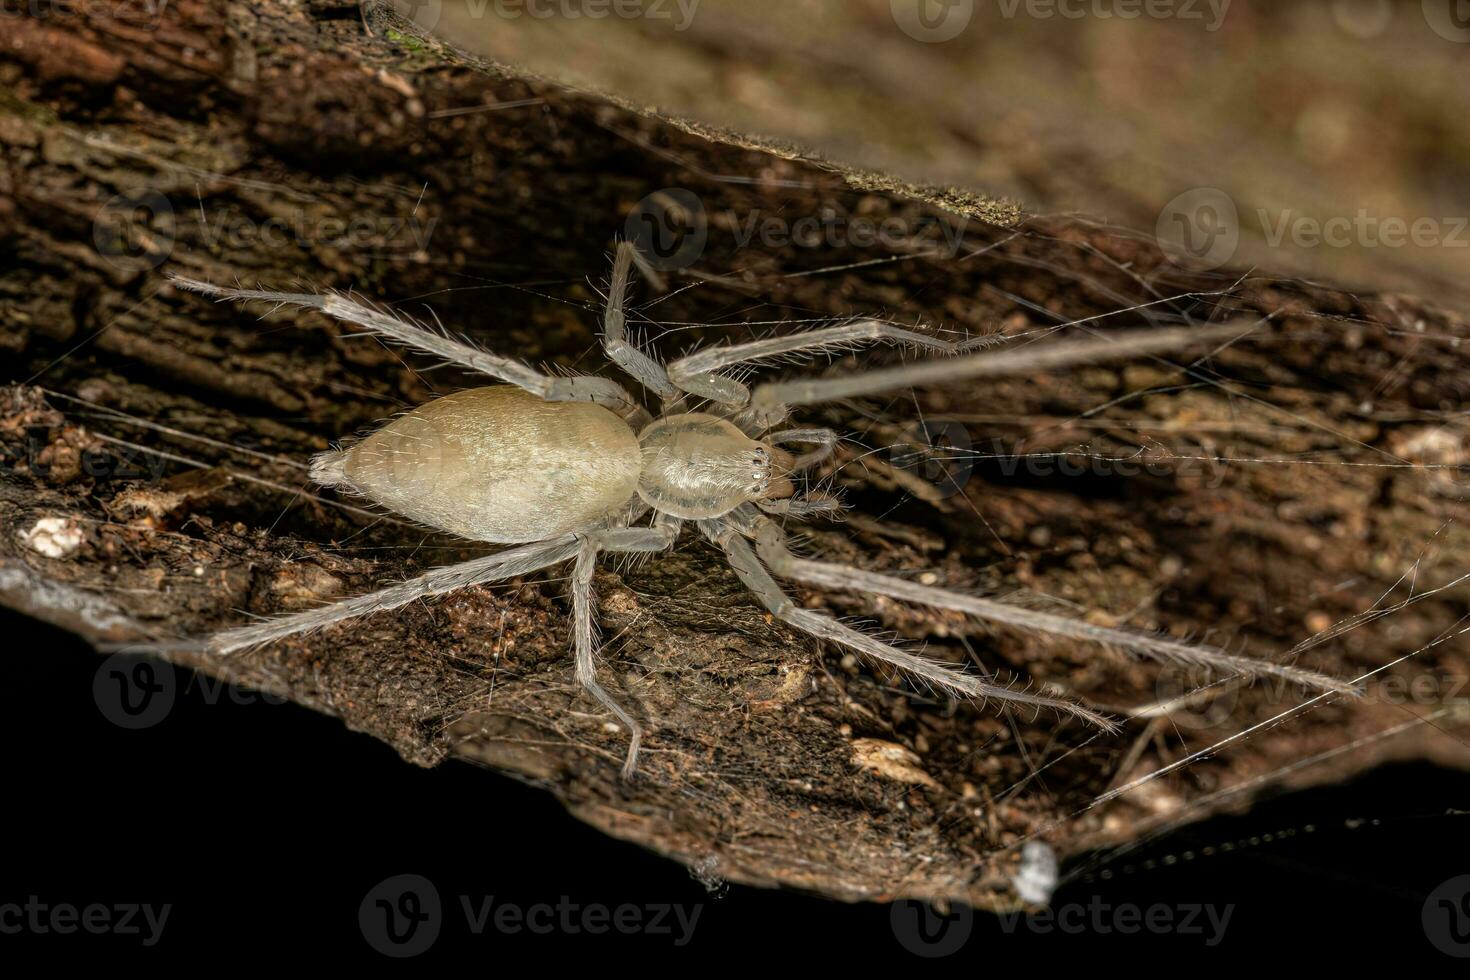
265 851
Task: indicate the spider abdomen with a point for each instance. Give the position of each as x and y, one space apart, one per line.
495 464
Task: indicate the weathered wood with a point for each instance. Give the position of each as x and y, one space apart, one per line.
1256 501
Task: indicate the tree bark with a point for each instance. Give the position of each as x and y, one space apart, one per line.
152 486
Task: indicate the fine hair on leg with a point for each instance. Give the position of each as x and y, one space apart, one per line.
584 642
584 627
698 374
825 441
622 352
479 571
772 400
582 388
822 626
771 547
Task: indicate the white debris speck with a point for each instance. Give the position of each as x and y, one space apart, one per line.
54 537
1037 878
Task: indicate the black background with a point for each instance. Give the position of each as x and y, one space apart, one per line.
265 825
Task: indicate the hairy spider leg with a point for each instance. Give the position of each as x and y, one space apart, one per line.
825 441
772 401
634 362
583 548
479 571
660 537
770 544
728 537
697 374
581 388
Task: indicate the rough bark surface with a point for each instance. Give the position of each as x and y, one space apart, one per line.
1285 487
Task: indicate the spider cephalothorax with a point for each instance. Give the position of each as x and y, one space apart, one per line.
568 468
698 466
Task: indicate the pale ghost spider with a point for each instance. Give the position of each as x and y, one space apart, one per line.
564 466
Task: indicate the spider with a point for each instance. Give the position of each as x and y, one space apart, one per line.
567 469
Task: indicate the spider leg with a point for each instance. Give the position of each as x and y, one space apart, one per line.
771 547
642 368
584 630
772 400
824 439
492 568
821 625
800 506
697 375
601 391
584 548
